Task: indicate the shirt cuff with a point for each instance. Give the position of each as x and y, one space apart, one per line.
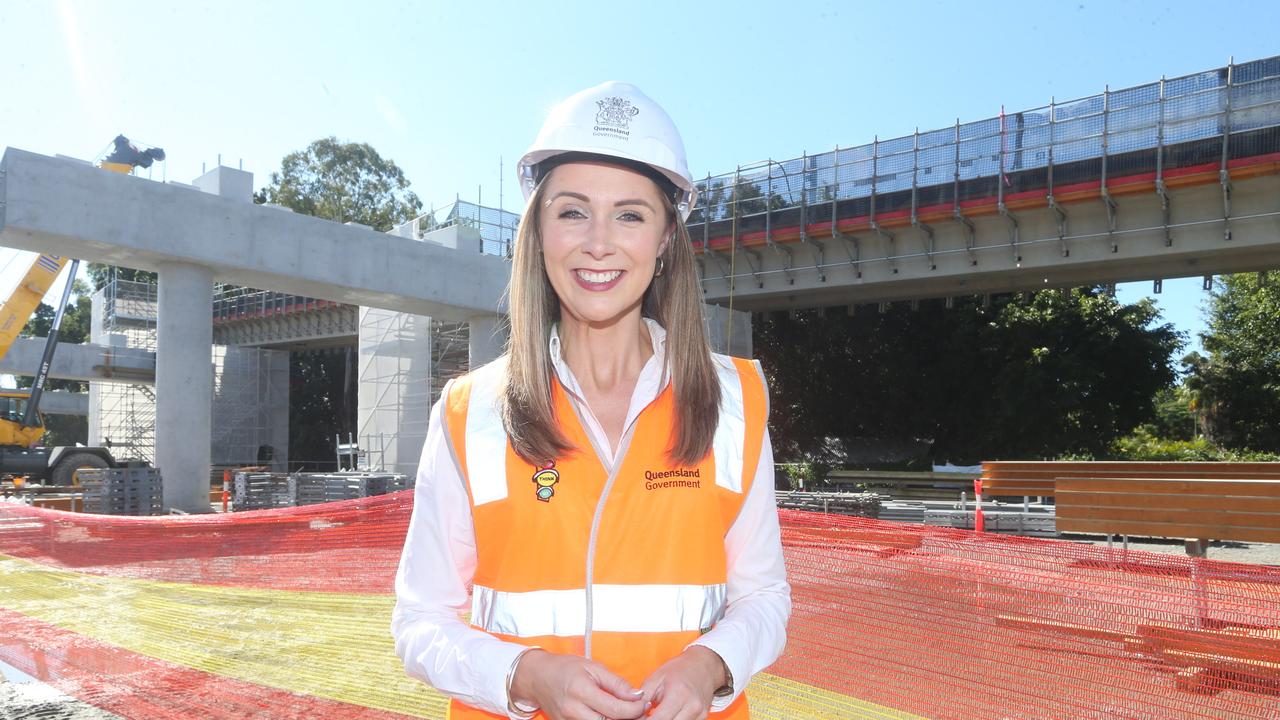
491 677
739 670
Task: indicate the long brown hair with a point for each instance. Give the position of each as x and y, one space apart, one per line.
673 300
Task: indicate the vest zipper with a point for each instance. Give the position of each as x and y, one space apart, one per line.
618 461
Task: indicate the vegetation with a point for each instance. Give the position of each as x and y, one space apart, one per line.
1031 376
344 182
1236 389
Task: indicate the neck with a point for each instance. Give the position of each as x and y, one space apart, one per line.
603 357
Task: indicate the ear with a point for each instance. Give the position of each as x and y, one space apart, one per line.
667 237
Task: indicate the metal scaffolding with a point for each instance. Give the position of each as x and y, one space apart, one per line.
246 393
126 413
496 227
405 361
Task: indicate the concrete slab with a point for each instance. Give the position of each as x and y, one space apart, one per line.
85 363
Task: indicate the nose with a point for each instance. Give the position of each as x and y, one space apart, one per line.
599 242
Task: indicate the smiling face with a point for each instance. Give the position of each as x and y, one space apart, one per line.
603 228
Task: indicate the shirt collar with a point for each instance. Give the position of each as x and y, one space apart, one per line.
657 336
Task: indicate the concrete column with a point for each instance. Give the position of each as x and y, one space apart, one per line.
486 339
395 388
728 332
184 384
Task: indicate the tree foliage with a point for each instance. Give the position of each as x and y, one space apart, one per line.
345 182
1237 387
1033 375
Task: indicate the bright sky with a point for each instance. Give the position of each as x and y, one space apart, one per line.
450 90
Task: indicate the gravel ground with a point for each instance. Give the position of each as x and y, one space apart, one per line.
36 701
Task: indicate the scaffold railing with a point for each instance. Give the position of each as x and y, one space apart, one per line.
233 302
497 228
1216 116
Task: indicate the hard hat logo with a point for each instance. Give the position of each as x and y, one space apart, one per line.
614 117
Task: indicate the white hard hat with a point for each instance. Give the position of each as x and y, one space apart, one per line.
616 120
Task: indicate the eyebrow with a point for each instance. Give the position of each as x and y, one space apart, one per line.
620 203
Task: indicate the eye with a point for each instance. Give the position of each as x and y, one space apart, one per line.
631 216
570 213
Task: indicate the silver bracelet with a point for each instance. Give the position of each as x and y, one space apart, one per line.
515 708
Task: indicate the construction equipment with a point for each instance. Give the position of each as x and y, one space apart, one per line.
125 156
21 424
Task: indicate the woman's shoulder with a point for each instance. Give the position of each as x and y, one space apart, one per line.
729 369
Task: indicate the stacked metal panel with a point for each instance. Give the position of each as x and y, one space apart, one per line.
260 491
122 491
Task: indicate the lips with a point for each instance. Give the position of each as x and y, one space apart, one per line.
598 280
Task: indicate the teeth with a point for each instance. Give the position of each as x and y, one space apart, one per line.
599 277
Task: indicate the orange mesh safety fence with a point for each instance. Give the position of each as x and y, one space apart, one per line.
285 613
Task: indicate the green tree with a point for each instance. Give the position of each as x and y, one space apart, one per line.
1033 375
1174 417
63 429
1237 386
345 182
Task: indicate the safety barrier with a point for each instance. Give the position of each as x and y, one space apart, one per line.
1207 127
285 613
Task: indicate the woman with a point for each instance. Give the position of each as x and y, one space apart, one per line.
606 485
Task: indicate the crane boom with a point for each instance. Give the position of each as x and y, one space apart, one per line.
18 307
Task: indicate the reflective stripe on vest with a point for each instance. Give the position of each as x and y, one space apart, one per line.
617 608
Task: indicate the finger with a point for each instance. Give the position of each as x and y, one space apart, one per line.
652 688
666 706
615 685
602 703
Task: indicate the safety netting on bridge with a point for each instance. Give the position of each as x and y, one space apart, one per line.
1206 127
285 614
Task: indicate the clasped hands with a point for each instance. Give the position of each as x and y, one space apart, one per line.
568 687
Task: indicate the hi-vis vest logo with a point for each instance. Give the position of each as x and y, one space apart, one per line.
545 481
614 117
680 478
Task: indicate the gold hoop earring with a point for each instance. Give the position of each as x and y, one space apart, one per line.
661 267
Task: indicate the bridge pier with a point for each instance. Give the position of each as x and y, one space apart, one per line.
486 340
184 383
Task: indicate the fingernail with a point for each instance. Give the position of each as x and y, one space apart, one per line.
637 693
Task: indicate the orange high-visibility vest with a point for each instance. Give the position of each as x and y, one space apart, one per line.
626 569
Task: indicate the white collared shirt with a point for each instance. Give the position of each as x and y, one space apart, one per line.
439 561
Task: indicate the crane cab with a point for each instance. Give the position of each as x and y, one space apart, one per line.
13 406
